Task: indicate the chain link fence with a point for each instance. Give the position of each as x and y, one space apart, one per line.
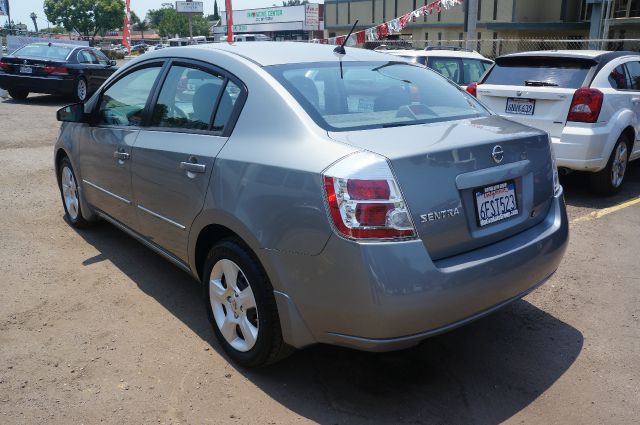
492 48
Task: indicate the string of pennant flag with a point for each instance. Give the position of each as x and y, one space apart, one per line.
394 26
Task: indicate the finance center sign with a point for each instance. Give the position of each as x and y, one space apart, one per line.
270 15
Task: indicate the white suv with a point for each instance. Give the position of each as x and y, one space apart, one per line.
459 65
588 101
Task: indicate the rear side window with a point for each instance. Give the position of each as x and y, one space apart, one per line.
227 103
540 71
634 75
618 78
123 103
449 67
473 70
86 57
187 99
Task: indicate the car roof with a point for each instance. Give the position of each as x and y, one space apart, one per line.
597 55
266 53
445 53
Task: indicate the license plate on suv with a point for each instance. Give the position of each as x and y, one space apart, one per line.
520 106
26 70
496 202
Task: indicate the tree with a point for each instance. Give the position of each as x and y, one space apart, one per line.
139 24
87 17
154 16
293 3
173 23
216 12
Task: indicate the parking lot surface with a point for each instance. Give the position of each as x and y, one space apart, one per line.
95 328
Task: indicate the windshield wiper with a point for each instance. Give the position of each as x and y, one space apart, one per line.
536 83
398 124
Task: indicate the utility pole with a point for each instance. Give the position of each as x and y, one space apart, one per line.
190 26
470 20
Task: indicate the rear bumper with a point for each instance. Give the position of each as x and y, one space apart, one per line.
49 85
584 148
387 296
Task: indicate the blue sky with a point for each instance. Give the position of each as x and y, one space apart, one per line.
21 9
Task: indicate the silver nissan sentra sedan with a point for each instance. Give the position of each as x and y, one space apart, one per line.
349 199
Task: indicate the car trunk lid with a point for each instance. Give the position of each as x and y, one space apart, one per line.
32 66
439 166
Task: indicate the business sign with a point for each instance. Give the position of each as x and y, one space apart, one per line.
269 15
259 28
312 16
190 7
4 7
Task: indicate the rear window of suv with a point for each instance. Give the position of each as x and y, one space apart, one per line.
540 71
374 94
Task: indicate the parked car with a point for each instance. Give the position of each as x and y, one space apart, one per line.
160 46
142 48
54 68
357 201
588 101
459 65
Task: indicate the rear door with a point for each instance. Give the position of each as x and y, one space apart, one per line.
173 156
633 72
535 90
105 148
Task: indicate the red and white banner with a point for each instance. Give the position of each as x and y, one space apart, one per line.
229 10
126 30
394 26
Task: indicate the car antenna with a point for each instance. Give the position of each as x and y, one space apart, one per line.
340 49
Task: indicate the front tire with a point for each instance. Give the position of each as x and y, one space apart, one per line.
18 94
241 307
70 195
609 180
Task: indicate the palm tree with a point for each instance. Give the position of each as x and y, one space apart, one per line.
139 24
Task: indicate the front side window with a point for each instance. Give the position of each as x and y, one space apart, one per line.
634 75
102 59
123 103
374 94
187 99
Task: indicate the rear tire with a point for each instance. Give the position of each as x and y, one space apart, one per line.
608 181
68 184
80 90
18 94
239 300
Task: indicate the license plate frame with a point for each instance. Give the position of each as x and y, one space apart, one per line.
520 102
500 210
26 70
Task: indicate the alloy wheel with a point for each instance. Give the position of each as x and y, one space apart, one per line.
70 192
233 305
619 166
81 90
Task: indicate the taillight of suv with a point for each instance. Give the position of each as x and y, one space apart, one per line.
473 89
586 105
364 200
4 66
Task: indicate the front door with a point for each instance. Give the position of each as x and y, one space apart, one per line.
105 148
173 157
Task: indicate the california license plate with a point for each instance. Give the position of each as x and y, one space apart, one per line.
520 106
496 203
26 70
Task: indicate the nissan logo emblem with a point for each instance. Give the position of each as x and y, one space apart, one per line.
497 153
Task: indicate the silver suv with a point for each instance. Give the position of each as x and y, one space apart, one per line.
349 199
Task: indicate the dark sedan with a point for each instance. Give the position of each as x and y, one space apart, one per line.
55 68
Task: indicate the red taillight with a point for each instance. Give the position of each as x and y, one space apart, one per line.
4 66
368 189
473 89
57 70
586 105
364 199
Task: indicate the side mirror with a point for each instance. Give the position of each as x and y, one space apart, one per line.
112 63
73 113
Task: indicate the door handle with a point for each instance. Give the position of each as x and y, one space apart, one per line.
120 155
192 166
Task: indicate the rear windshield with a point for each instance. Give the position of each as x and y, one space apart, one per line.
540 71
44 51
374 94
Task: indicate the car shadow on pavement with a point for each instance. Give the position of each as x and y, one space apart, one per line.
485 372
40 100
577 193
